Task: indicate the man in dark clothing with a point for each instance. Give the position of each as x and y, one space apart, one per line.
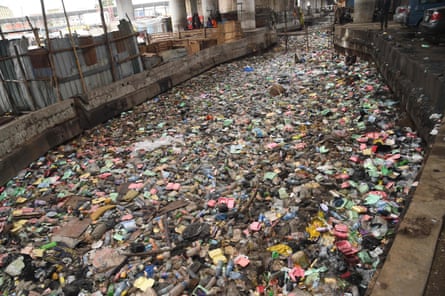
384 6
196 22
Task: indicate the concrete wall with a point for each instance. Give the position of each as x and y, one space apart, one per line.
30 136
420 89
124 94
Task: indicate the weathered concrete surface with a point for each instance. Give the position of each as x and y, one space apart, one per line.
30 136
415 72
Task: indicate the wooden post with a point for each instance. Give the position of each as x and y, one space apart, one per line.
107 41
34 31
129 20
50 53
73 45
25 79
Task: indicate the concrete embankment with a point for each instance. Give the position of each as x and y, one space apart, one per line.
415 71
26 138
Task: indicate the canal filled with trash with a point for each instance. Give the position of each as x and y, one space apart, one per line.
283 173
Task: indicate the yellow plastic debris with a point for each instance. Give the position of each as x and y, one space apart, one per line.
18 225
102 199
38 181
312 228
143 283
21 200
37 253
131 194
179 229
281 249
85 176
217 255
100 211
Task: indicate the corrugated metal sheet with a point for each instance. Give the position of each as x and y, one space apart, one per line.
5 106
10 70
102 69
32 88
41 91
65 68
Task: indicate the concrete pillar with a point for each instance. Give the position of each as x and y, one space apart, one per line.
226 6
246 14
209 7
179 15
363 11
124 8
278 5
194 6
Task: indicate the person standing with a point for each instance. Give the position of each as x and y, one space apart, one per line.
196 22
340 8
384 6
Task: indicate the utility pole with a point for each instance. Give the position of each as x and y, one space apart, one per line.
107 41
50 53
73 45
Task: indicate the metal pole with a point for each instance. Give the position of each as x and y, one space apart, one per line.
73 45
34 31
129 20
107 41
50 53
22 69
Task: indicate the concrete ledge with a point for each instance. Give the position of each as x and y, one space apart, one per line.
36 146
15 133
30 136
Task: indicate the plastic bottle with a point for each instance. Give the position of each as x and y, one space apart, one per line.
163 256
110 290
229 268
165 290
48 246
211 283
99 231
178 289
120 288
219 268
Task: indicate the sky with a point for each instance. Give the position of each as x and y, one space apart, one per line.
31 7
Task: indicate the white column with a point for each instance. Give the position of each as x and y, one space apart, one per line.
363 11
179 14
124 8
226 6
246 14
194 6
209 7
